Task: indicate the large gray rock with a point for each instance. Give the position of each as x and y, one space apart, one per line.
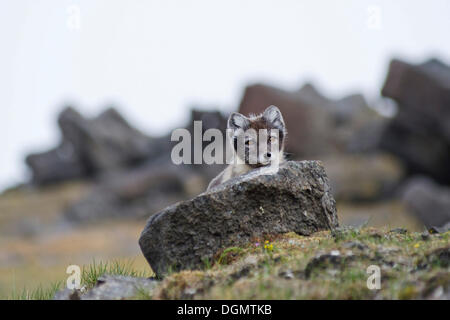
420 132
92 146
105 142
55 165
297 198
428 201
145 188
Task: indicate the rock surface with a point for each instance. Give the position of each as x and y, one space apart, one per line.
420 132
114 287
89 147
110 287
297 198
429 201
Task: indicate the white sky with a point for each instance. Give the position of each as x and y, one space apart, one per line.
154 59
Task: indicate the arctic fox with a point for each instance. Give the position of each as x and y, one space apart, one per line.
257 141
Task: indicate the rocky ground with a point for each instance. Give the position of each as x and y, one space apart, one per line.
325 265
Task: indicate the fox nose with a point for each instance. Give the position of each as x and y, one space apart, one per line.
268 155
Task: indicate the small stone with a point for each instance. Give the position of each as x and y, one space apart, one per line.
425 236
287 274
355 245
399 231
67 294
115 287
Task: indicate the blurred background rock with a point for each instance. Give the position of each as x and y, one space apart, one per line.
89 195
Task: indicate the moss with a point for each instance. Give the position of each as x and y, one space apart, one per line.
325 265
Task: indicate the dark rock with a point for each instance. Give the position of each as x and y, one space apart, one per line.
439 257
316 125
149 187
429 202
425 236
355 245
399 231
333 260
297 198
436 230
106 142
420 132
56 165
242 272
90 147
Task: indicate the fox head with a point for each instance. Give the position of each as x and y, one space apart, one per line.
258 140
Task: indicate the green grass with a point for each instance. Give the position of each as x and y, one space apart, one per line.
89 276
40 293
301 267
91 272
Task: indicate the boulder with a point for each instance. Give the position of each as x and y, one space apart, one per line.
91 146
428 201
105 142
59 164
420 132
296 198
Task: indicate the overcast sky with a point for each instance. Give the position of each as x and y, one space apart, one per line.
154 59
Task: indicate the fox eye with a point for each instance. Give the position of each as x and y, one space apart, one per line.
272 139
248 142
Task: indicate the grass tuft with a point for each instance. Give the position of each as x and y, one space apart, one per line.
89 277
40 293
91 272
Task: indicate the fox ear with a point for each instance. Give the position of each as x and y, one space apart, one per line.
237 121
273 115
